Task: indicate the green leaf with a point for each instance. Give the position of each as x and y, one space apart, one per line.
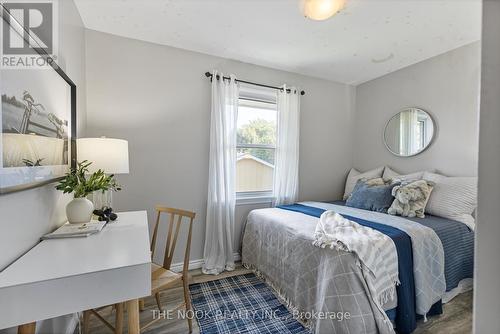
80 183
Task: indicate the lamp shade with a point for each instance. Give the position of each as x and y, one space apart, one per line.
108 154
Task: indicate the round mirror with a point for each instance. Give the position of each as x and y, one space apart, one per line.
409 132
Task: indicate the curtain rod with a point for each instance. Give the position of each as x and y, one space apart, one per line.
209 75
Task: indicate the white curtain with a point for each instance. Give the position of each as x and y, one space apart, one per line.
218 252
286 171
408 144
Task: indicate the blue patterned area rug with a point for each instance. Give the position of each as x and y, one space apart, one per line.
241 304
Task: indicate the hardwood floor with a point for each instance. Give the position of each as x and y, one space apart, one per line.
456 319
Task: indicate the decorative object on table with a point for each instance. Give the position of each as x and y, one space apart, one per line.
105 214
37 117
247 294
81 183
76 230
411 199
107 154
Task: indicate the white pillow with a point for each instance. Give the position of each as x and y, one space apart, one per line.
453 197
390 174
355 175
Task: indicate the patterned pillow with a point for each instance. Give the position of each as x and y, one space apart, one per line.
355 175
454 198
372 195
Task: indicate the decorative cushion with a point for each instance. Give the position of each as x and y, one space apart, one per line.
411 199
371 195
454 198
355 175
390 174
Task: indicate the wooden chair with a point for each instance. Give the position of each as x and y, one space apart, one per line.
162 277
117 329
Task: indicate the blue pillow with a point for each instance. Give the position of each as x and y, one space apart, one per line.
371 197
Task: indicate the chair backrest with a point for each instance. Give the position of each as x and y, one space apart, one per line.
174 227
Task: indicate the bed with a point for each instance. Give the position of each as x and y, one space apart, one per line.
326 287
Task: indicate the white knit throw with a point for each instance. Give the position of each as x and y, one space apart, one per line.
375 251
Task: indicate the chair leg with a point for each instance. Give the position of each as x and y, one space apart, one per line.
141 304
187 300
119 318
86 322
158 302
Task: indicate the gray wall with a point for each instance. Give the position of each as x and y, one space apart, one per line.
447 86
158 99
29 214
487 270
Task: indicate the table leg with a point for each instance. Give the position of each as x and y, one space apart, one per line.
27 328
119 318
133 316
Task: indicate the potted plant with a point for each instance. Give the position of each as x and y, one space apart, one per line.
79 182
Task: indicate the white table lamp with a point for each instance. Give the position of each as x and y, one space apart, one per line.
108 154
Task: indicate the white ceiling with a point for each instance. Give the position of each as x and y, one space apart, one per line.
368 39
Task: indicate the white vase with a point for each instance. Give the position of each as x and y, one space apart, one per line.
79 210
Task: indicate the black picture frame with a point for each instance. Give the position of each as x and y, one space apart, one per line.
7 17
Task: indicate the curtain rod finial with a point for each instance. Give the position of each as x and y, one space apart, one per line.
208 74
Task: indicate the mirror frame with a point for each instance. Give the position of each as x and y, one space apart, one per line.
434 132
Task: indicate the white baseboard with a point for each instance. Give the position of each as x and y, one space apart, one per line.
196 264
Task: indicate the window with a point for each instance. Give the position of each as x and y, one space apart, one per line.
255 147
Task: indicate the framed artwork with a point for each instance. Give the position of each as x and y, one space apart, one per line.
37 125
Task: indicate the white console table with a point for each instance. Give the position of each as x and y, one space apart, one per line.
64 276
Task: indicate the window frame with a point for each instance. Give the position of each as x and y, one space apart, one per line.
265 101
423 132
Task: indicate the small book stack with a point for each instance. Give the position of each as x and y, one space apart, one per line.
76 230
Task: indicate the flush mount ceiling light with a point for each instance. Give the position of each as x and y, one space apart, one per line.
322 9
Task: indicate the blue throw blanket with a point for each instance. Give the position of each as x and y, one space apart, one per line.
404 315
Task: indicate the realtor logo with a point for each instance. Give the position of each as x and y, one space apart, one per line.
28 33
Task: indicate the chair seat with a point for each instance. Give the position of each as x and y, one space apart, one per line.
161 278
